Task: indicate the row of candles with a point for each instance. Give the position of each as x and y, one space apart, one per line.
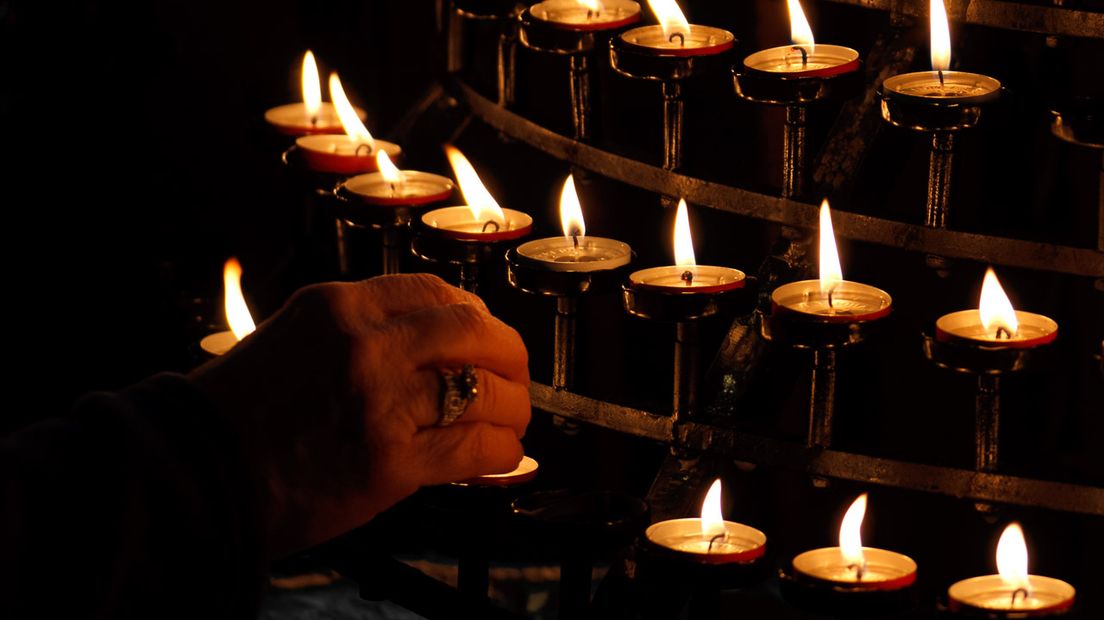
334 138
851 567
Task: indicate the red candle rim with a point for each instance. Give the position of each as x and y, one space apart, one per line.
500 235
339 163
739 557
689 290
611 25
941 335
777 308
895 583
847 67
397 201
709 50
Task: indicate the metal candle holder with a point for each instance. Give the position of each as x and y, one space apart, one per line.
685 309
987 363
429 244
578 45
566 287
392 220
502 11
823 597
1081 122
941 120
824 339
670 70
319 189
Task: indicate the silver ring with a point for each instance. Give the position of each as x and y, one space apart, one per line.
458 390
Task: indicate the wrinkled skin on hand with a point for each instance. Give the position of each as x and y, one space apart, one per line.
338 394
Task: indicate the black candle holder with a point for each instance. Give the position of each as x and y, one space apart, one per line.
843 600
1081 122
505 13
941 120
433 245
578 46
824 339
318 189
392 221
565 287
670 70
685 309
988 364
580 528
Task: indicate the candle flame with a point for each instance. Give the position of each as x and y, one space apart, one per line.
670 17
712 521
312 87
684 242
997 313
593 5
1012 558
800 32
850 536
940 37
479 200
830 272
571 212
388 170
237 313
349 119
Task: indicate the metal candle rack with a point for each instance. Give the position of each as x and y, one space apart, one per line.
467 254
318 187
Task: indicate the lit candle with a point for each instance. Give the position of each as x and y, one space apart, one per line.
675 36
586 14
804 58
524 472
686 276
1013 592
940 85
853 566
831 299
996 323
352 153
574 251
482 219
710 539
312 115
391 187
237 313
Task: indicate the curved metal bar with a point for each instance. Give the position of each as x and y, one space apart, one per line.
950 243
770 452
1054 20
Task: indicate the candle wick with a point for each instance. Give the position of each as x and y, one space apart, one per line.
860 570
681 38
830 305
575 239
804 55
314 120
687 277
1022 591
1003 330
491 223
720 536
393 189
362 145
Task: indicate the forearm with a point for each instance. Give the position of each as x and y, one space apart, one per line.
137 504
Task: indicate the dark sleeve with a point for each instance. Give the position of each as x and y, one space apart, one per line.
138 505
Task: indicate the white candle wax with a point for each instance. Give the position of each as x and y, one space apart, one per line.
955 87
825 60
572 15
850 301
589 254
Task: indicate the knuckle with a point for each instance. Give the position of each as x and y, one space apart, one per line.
469 318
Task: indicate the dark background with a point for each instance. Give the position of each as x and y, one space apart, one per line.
137 160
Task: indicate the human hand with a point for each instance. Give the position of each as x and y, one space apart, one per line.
337 397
